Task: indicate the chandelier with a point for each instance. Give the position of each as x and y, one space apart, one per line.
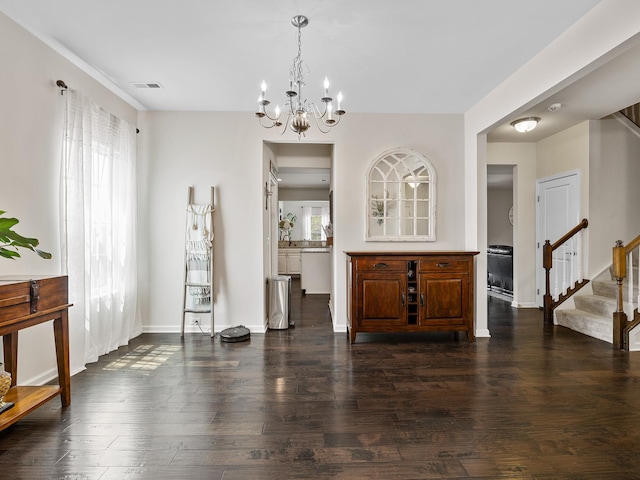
299 110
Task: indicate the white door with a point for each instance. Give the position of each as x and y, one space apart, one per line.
557 212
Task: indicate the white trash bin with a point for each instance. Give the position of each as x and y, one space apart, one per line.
279 301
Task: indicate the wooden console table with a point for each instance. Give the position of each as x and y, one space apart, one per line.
411 292
25 302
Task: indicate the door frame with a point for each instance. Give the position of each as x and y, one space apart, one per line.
575 177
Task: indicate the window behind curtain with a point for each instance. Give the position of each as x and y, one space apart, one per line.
99 224
314 218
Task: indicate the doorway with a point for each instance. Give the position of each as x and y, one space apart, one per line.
300 199
500 232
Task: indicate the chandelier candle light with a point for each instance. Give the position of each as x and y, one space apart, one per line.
299 110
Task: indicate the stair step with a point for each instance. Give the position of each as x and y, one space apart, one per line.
596 304
608 288
596 326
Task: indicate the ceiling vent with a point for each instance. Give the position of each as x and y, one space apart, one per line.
146 85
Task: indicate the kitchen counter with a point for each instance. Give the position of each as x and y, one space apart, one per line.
315 272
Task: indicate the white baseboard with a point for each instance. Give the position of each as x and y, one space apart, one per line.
48 376
525 305
483 333
194 328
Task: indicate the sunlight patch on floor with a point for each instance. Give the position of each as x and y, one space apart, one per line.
144 357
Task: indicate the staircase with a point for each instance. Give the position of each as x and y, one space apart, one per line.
593 313
632 113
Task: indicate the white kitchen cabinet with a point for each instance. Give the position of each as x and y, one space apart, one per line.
282 262
289 261
293 261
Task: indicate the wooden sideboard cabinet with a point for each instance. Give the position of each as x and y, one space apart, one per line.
410 292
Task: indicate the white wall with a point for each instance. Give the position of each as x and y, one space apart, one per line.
31 138
614 187
499 229
565 152
225 149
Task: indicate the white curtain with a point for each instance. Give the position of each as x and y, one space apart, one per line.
98 210
306 222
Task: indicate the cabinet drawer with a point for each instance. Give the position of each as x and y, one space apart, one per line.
380 265
444 264
15 300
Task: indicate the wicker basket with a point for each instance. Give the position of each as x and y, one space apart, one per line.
5 383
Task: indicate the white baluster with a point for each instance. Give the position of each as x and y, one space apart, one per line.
565 264
554 273
572 264
630 284
579 255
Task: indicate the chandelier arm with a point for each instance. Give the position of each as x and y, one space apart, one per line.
320 123
285 124
321 117
273 119
273 123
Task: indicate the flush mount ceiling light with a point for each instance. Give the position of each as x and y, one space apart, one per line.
299 110
524 125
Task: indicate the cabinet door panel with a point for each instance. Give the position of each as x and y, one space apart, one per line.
293 263
382 299
444 298
282 263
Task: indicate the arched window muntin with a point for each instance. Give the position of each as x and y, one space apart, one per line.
401 197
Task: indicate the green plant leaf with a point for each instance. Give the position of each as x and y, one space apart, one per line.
12 254
7 223
45 255
21 241
10 240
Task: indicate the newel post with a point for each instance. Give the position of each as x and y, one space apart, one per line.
619 273
547 260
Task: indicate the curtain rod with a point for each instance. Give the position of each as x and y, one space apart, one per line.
63 87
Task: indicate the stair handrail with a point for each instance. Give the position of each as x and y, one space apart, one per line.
621 325
547 263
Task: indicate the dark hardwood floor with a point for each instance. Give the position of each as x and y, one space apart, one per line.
528 403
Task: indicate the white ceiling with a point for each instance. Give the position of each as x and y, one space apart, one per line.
405 56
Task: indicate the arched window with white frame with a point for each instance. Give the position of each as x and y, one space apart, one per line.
401 197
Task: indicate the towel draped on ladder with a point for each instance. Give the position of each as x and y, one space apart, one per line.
199 237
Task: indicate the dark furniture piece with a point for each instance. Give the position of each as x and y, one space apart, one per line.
500 268
25 302
410 292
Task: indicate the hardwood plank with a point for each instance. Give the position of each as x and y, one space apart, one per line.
531 402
